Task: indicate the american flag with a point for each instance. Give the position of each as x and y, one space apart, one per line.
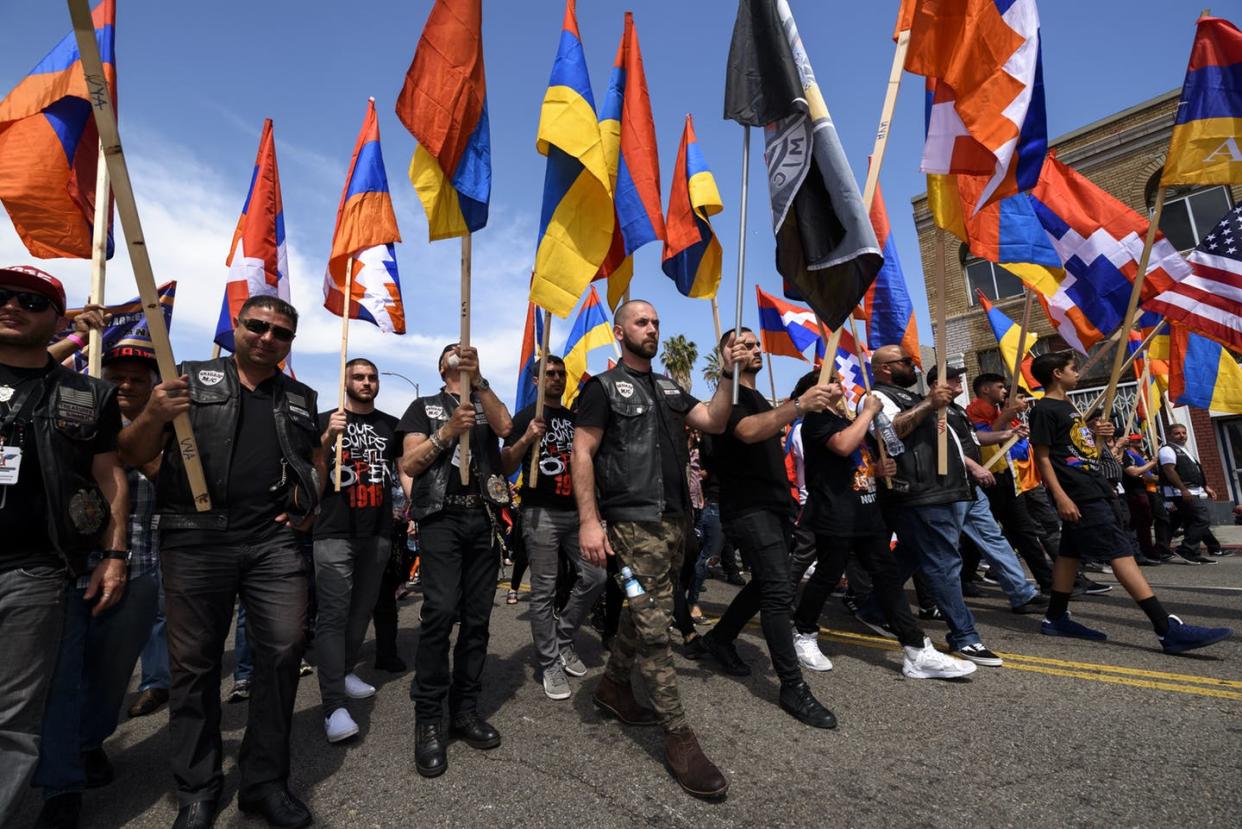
1208 301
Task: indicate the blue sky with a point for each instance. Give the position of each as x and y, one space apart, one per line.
196 82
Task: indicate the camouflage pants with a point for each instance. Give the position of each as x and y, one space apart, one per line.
652 551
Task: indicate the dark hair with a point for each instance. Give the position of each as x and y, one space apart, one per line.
986 378
552 359
1044 365
272 303
364 361
724 338
804 383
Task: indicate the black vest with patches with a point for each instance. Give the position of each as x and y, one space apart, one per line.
427 497
916 482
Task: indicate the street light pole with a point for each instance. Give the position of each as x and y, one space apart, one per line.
417 393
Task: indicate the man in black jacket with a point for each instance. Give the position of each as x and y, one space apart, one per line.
258 437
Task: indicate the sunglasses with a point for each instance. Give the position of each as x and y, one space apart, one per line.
906 360
261 327
553 372
26 300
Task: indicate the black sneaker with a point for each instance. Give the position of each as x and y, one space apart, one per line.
851 603
1188 558
979 655
1036 604
970 590
1220 553
97 767
725 654
1095 588
931 614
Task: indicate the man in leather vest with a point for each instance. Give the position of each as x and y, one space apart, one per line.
459 561
629 470
258 438
62 496
1185 488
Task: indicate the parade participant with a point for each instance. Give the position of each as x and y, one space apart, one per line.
549 525
759 514
259 445
1139 480
459 559
353 540
927 510
1186 491
1069 462
630 444
90 318
843 513
62 495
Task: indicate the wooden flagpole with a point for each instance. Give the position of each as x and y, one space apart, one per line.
1017 361
541 395
886 120
829 365
340 405
1095 358
464 380
1149 396
1141 394
866 378
1095 404
741 243
942 438
215 351
99 260
127 209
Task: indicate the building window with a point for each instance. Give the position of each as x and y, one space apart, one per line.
1189 213
990 362
995 282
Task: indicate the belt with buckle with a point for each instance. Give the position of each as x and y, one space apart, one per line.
463 501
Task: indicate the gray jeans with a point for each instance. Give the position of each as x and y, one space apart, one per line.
347 580
550 533
31 618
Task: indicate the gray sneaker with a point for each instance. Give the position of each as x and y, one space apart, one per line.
572 663
555 683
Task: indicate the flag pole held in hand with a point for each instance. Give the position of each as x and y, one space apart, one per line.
340 406
741 241
541 396
466 392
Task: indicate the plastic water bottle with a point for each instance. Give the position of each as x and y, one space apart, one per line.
892 443
633 589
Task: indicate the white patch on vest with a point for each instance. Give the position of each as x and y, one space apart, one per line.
435 412
210 377
625 389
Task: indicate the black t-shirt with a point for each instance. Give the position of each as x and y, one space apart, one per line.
23 505
841 491
752 475
594 411
555 488
1071 448
363 507
416 421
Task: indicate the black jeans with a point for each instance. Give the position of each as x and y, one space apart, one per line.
459 579
877 559
384 614
1198 523
200 587
1019 528
765 539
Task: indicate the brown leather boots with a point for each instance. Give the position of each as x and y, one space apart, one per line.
690 766
618 700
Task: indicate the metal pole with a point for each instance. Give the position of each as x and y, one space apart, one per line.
741 243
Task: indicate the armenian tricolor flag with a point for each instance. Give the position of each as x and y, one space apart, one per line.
1206 146
366 230
528 363
576 222
49 147
887 308
591 330
444 104
692 256
1007 334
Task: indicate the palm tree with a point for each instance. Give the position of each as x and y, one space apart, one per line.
711 371
678 357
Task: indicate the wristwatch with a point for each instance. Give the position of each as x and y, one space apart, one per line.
118 555
482 384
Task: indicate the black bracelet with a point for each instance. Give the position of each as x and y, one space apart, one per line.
118 555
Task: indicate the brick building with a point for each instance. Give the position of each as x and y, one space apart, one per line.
1123 154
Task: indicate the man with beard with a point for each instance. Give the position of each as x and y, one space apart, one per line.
927 510
630 447
550 529
1185 487
62 496
759 515
259 443
459 560
353 541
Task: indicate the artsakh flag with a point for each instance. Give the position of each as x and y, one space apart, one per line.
1206 145
49 147
258 260
364 238
849 370
784 328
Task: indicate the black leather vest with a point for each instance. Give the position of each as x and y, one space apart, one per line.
427 497
916 482
215 407
629 484
1188 469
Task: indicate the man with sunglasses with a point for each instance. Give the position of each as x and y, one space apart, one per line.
62 496
259 441
550 529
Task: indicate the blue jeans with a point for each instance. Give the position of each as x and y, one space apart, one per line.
980 527
929 537
241 648
97 656
711 541
155 670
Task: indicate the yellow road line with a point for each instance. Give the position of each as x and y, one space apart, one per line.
1137 683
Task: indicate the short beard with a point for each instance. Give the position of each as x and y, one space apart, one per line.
638 349
358 398
904 381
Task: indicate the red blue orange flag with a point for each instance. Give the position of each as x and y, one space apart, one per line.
366 230
1206 145
692 256
628 131
444 104
577 219
528 363
49 147
785 329
887 308
258 260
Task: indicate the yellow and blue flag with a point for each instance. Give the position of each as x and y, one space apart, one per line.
692 255
591 330
1206 145
1203 373
577 220
1007 334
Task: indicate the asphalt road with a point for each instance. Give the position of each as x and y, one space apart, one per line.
1067 733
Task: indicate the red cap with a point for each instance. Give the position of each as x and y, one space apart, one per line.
31 278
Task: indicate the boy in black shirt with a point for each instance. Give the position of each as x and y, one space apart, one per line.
1069 463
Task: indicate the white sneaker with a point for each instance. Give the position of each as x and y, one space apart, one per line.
928 663
339 726
809 654
355 688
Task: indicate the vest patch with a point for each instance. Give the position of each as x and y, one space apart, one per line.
435 412
210 376
75 406
625 389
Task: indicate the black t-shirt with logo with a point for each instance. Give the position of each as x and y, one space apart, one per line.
752 475
363 507
23 505
841 491
1071 449
555 488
